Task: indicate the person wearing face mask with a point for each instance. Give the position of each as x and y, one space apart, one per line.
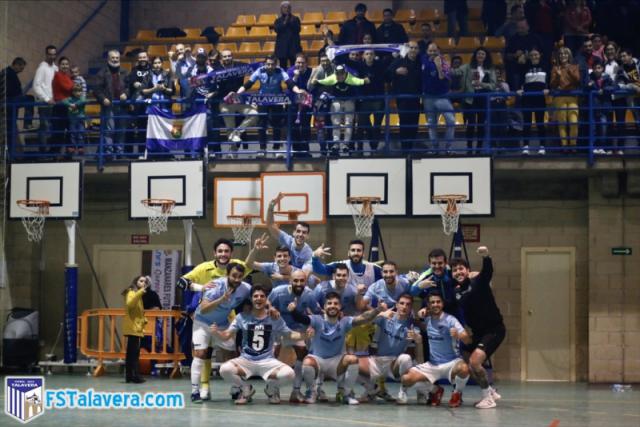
110 90
158 85
62 86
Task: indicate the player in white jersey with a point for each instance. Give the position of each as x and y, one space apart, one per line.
259 333
279 271
297 243
327 347
444 332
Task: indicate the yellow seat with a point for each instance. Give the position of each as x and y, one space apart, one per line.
219 30
269 47
227 46
130 48
314 18
92 110
193 33
146 35
429 15
476 27
393 118
157 50
250 48
475 13
308 30
375 16
497 58
467 44
335 29
245 20
316 45
313 61
446 44
335 17
126 66
402 15
492 43
267 20
236 33
206 46
260 33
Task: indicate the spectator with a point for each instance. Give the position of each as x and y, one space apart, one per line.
565 76
299 73
390 31
535 79
412 22
44 93
478 76
405 77
207 91
585 60
158 86
111 91
618 102
629 79
435 87
508 28
598 47
372 103
328 38
11 86
287 28
271 78
181 61
213 58
426 37
230 111
136 83
577 21
342 84
325 69
544 17
494 13
602 84
78 79
61 85
456 11
500 130
456 76
353 30
517 50
75 107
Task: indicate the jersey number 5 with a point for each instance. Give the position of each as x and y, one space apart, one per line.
258 340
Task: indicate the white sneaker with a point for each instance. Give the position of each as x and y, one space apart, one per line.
321 395
402 398
620 153
296 397
351 400
235 137
486 403
273 393
312 396
260 155
525 150
494 394
542 151
280 156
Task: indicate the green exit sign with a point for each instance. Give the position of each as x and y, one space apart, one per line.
621 251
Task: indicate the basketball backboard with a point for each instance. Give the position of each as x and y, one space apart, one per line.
58 183
470 176
182 181
304 196
383 178
236 196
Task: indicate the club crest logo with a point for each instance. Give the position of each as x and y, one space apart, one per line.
24 398
176 129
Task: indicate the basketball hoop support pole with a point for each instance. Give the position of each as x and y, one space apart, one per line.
458 245
71 296
188 240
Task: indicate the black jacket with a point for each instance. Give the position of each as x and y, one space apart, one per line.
104 88
407 84
288 37
350 34
392 33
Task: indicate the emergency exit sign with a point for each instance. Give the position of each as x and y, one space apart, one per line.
621 251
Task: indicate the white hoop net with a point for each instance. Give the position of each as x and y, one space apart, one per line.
363 213
158 211
450 211
37 212
242 228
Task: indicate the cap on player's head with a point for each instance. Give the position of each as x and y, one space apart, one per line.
258 288
436 253
235 266
223 241
454 262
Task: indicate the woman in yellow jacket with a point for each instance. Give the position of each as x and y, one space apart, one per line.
133 325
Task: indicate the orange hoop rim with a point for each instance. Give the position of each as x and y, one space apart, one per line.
452 201
366 201
246 218
291 215
41 205
165 205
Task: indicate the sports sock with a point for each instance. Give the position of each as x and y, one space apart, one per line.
297 369
460 382
404 364
350 377
486 392
309 376
196 371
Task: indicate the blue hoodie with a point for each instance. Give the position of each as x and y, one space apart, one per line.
431 83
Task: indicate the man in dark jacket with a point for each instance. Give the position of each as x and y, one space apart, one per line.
457 12
390 31
111 87
11 86
353 30
287 27
136 81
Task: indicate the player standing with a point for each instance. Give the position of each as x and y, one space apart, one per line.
299 249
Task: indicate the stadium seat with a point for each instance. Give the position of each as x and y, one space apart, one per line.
250 48
466 57
245 21
236 33
475 13
131 48
429 15
494 43
375 16
314 18
267 20
220 30
467 44
446 44
476 27
304 44
157 50
261 33
92 110
312 61
335 17
268 47
146 35
497 58
206 46
402 15
193 33
126 66
316 45
228 46
335 29
308 30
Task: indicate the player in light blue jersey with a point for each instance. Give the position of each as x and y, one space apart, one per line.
349 297
280 298
392 358
299 249
327 347
444 332
278 271
220 297
259 334
387 289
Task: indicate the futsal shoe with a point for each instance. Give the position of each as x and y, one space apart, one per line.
245 396
296 396
456 399
486 403
402 398
311 397
350 399
273 393
195 397
321 395
235 393
422 399
494 394
384 395
436 396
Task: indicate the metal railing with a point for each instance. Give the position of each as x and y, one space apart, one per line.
500 124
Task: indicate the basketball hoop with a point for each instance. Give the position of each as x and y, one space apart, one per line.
242 228
364 214
158 213
37 212
448 204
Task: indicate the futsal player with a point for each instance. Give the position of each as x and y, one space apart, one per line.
279 271
297 243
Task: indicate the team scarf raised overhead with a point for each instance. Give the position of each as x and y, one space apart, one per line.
334 51
167 131
264 99
224 74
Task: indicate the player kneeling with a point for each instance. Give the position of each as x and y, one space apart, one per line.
443 331
259 332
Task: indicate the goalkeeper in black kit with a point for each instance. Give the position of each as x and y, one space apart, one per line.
482 315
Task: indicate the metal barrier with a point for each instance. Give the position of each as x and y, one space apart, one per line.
169 347
493 123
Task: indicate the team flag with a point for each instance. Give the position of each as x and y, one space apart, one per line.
167 131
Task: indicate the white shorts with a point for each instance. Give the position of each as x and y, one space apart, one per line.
381 366
260 368
328 367
202 338
437 372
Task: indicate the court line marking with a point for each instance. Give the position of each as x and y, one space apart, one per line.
631 415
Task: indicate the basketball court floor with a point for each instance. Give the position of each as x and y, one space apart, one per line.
522 404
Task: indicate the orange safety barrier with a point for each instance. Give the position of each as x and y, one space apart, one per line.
114 317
